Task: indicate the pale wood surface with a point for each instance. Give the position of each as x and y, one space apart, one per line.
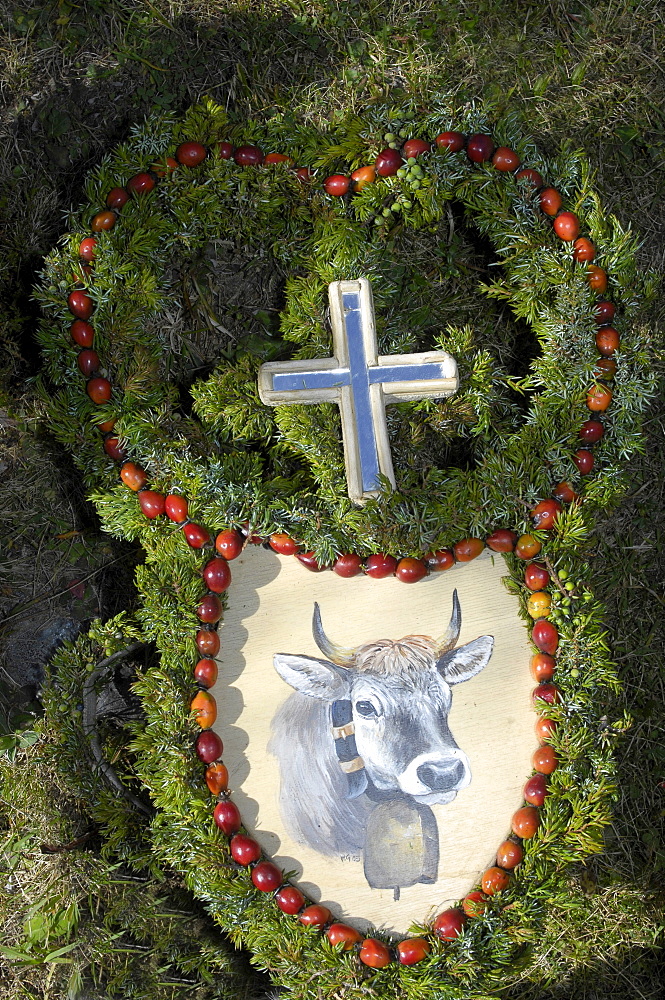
270 610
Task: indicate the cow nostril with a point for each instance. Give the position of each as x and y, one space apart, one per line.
441 777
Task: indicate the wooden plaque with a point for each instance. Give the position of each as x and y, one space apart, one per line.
377 855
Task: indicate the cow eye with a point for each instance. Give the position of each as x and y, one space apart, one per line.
365 708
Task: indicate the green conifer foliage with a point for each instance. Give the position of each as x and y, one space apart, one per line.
460 258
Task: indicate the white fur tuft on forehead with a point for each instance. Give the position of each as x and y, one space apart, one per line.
396 657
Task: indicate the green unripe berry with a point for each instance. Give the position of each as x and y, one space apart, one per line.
395 207
563 574
415 185
392 145
386 212
389 137
406 203
574 672
403 134
411 161
569 585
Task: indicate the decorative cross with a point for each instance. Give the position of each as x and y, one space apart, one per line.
361 383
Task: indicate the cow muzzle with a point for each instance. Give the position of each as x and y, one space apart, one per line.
436 778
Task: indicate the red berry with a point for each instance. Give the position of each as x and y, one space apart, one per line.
526 547
277 158
550 201
225 150
374 954
501 540
114 450
309 561
410 570
267 877
244 849
315 915
102 221
545 636
363 176
545 513
438 561
229 543
88 362
564 492
412 950
305 175
227 817
567 226
590 431
80 305
536 576
505 159
208 747
205 707
597 279
133 476
209 610
388 162
474 903
544 728
176 507
205 672
525 822
468 549
289 899
283 544
494 880
337 185
82 333
542 667
197 536
535 790
607 340
344 935
190 154
414 147
207 642
583 250
347 565
248 156
99 390
87 248
140 183
606 368
545 760
604 311
479 147
598 397
152 504
453 141
116 198
217 575
530 175
379 566
217 777
106 426
449 923
509 855
584 461
546 692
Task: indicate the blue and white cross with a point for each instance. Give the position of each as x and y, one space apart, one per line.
361 383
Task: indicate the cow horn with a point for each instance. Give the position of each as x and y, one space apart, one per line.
452 632
341 655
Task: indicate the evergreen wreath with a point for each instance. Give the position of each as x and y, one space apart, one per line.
506 463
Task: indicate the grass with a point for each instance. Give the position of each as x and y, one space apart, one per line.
74 77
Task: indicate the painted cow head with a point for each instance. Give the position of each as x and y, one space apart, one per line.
398 694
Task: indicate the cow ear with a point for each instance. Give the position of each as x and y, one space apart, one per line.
466 661
315 678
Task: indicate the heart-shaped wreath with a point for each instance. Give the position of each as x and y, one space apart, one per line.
520 460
